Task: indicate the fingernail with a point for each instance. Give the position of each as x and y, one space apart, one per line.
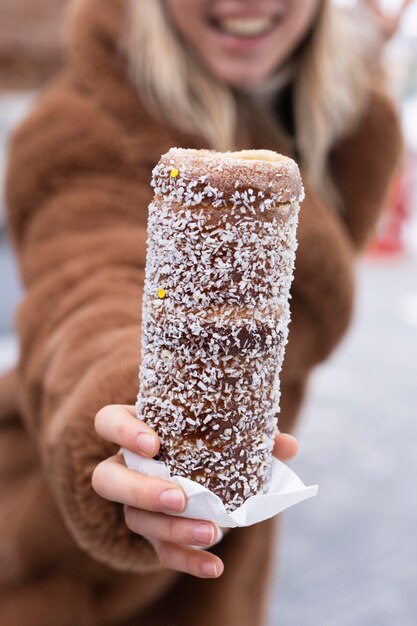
288 436
146 443
204 534
172 500
209 569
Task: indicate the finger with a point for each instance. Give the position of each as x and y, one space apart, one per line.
405 4
195 562
119 424
114 481
171 529
286 446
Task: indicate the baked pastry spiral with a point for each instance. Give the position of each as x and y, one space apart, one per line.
221 250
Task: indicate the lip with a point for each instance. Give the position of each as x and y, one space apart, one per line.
232 9
239 43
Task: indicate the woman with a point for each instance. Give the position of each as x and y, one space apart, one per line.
142 77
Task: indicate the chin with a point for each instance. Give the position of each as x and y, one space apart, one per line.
240 77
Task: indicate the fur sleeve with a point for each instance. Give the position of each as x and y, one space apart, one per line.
363 164
77 215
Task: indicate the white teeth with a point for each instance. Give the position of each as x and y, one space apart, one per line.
246 26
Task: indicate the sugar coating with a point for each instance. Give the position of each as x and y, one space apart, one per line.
221 252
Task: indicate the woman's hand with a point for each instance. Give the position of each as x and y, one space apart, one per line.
386 23
149 501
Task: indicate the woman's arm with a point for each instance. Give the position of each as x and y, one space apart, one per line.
363 165
76 211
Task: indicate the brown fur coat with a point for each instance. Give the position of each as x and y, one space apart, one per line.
78 190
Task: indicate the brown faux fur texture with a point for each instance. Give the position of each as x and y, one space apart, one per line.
78 191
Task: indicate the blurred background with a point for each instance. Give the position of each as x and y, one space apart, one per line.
349 557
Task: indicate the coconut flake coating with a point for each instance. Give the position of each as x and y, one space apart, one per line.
221 251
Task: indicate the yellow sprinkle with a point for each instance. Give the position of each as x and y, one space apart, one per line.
162 293
174 173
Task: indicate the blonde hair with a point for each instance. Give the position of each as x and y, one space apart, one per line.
329 84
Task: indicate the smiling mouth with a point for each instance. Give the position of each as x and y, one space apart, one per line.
244 27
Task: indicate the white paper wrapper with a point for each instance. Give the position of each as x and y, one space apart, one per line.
285 490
